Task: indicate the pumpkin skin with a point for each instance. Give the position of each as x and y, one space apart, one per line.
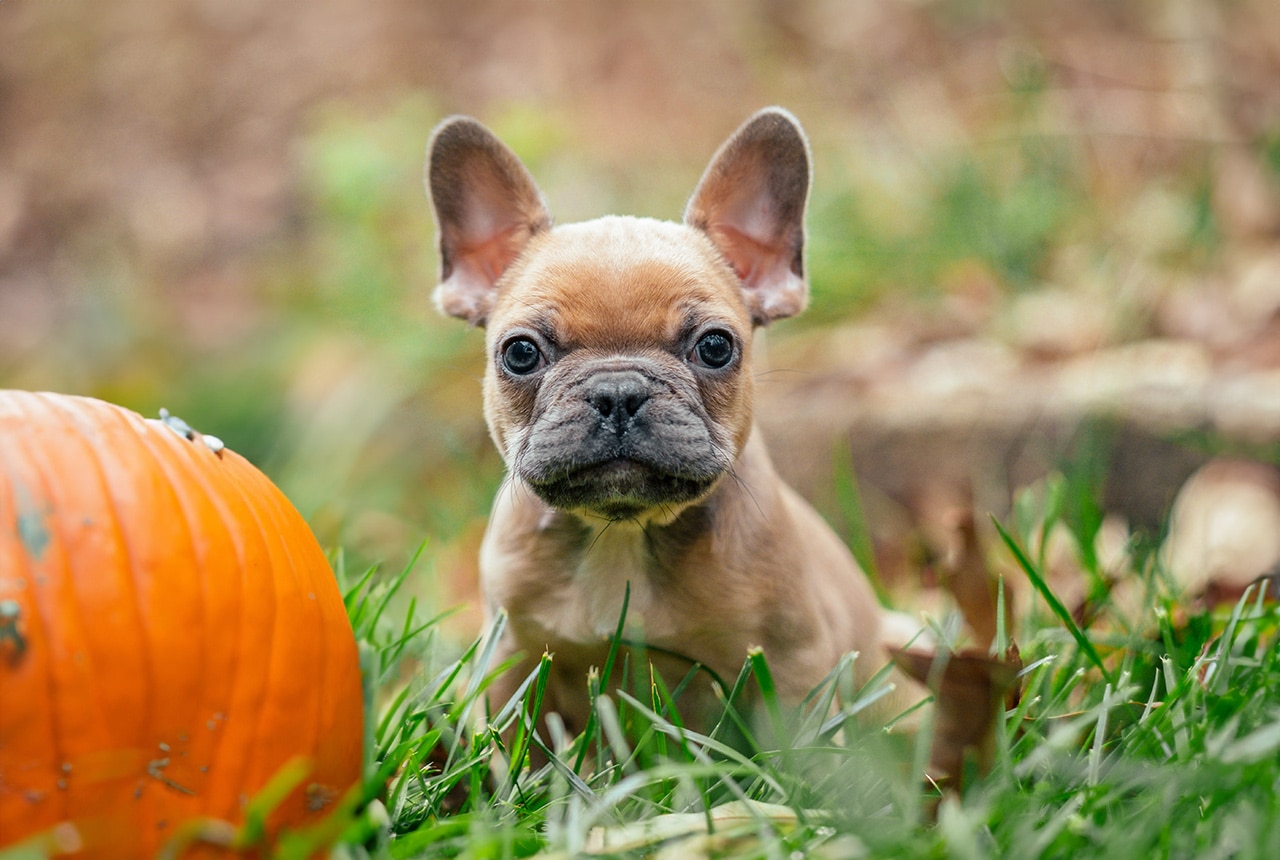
171 634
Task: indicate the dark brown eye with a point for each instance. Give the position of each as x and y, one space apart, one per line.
521 356
714 350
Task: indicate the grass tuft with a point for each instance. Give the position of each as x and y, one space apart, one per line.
1163 743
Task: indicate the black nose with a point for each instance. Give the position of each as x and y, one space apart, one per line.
618 396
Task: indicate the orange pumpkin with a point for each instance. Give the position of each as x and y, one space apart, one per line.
170 634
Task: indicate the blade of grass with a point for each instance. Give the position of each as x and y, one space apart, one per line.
485 659
1000 645
1099 738
526 729
1055 605
768 691
1220 670
849 501
615 645
664 704
622 752
357 600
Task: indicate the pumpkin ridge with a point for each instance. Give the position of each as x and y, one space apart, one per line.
118 534
225 518
318 583
172 456
253 752
263 767
43 596
104 432
231 765
279 510
38 633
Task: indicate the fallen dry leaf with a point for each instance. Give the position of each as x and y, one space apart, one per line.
1224 529
967 579
691 834
969 688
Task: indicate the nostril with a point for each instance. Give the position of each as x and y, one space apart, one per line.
633 401
618 397
603 402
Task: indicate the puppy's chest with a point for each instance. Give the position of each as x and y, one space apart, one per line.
587 600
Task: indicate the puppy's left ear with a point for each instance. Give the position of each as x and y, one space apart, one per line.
751 202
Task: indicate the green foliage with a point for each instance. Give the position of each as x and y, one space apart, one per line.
1271 151
1004 213
368 240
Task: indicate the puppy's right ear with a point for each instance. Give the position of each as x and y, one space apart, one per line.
487 208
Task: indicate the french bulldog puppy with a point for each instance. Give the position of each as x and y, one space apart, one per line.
619 390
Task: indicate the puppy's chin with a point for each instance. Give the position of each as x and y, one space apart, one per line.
621 490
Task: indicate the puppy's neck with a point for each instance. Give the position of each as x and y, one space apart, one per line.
592 550
569 574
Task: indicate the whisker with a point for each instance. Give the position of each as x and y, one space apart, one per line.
608 524
733 475
761 374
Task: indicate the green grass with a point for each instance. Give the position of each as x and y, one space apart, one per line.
1156 738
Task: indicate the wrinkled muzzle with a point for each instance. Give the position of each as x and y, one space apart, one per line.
618 438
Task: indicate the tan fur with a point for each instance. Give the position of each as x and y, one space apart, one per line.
738 561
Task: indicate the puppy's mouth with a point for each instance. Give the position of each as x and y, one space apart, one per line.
619 489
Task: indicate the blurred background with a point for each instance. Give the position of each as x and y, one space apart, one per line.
1031 220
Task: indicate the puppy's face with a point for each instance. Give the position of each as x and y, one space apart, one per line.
618 383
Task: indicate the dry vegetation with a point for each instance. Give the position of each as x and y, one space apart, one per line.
1045 257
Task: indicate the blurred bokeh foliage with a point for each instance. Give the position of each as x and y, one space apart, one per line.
219 210
1005 218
